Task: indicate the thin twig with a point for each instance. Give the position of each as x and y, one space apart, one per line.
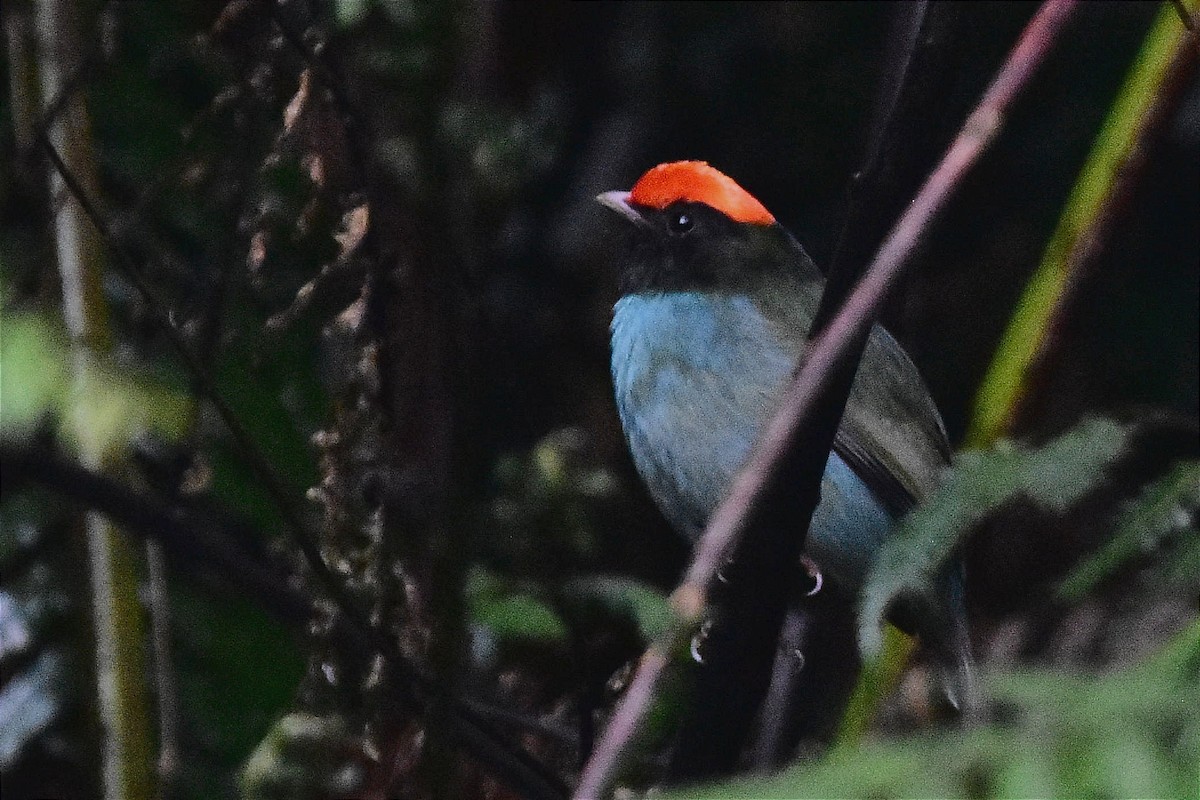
207 388
562 735
508 762
184 538
801 399
66 92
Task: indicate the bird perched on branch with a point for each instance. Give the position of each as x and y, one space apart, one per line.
716 302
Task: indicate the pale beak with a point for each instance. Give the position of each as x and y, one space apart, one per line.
619 202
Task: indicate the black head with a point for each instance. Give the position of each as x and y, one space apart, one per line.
686 226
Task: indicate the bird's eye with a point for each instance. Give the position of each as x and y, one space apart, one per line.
680 222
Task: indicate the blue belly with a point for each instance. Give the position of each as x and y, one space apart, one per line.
696 377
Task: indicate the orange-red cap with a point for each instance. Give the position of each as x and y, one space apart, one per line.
697 182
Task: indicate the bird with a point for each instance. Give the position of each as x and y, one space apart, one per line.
716 299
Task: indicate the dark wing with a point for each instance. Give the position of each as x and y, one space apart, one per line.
891 434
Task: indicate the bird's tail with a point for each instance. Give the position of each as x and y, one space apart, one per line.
955 669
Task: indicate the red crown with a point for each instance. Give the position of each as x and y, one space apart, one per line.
696 181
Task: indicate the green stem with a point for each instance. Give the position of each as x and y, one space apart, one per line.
1089 211
880 675
122 694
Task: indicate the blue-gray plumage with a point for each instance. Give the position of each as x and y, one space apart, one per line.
696 375
716 304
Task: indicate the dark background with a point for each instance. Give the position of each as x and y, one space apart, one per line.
489 128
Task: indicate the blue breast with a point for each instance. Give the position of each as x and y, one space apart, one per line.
696 377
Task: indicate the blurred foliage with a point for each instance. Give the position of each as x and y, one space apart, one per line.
512 614
543 516
302 756
236 669
83 400
486 131
93 407
1054 476
1161 526
1055 737
616 596
226 643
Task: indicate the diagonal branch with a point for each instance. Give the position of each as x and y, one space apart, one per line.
757 595
829 353
186 539
814 662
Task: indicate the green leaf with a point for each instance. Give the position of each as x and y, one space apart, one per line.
623 597
1053 477
34 374
1161 518
878 678
511 613
1133 733
97 407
